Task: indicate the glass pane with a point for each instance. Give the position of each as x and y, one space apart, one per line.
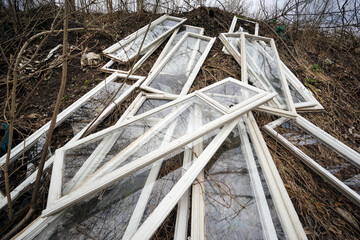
230 94
261 59
231 210
130 49
180 34
150 104
134 140
174 74
231 207
296 96
325 156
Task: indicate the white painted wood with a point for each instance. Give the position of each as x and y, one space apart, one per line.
183 207
326 175
197 196
31 179
282 78
286 212
155 219
114 176
56 178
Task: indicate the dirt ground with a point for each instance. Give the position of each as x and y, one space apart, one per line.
336 85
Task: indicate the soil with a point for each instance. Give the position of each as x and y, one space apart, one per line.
336 86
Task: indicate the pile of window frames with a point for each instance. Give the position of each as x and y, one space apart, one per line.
201 155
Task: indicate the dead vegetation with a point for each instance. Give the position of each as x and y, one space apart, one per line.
327 64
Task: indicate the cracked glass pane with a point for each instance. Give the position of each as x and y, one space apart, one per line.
333 162
130 49
133 141
175 73
229 94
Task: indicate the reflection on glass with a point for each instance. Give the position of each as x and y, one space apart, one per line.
326 157
262 61
174 74
229 94
130 49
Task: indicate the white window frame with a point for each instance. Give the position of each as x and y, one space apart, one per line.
241 59
310 104
107 67
110 178
18 191
109 51
233 25
339 147
194 72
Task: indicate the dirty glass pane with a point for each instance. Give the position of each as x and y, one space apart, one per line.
180 34
231 207
325 156
107 214
174 74
229 94
150 104
121 142
261 59
130 49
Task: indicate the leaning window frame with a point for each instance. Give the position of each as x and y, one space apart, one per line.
109 51
194 72
325 138
115 175
241 59
18 191
233 25
310 104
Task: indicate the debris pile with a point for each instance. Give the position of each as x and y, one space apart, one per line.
175 151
